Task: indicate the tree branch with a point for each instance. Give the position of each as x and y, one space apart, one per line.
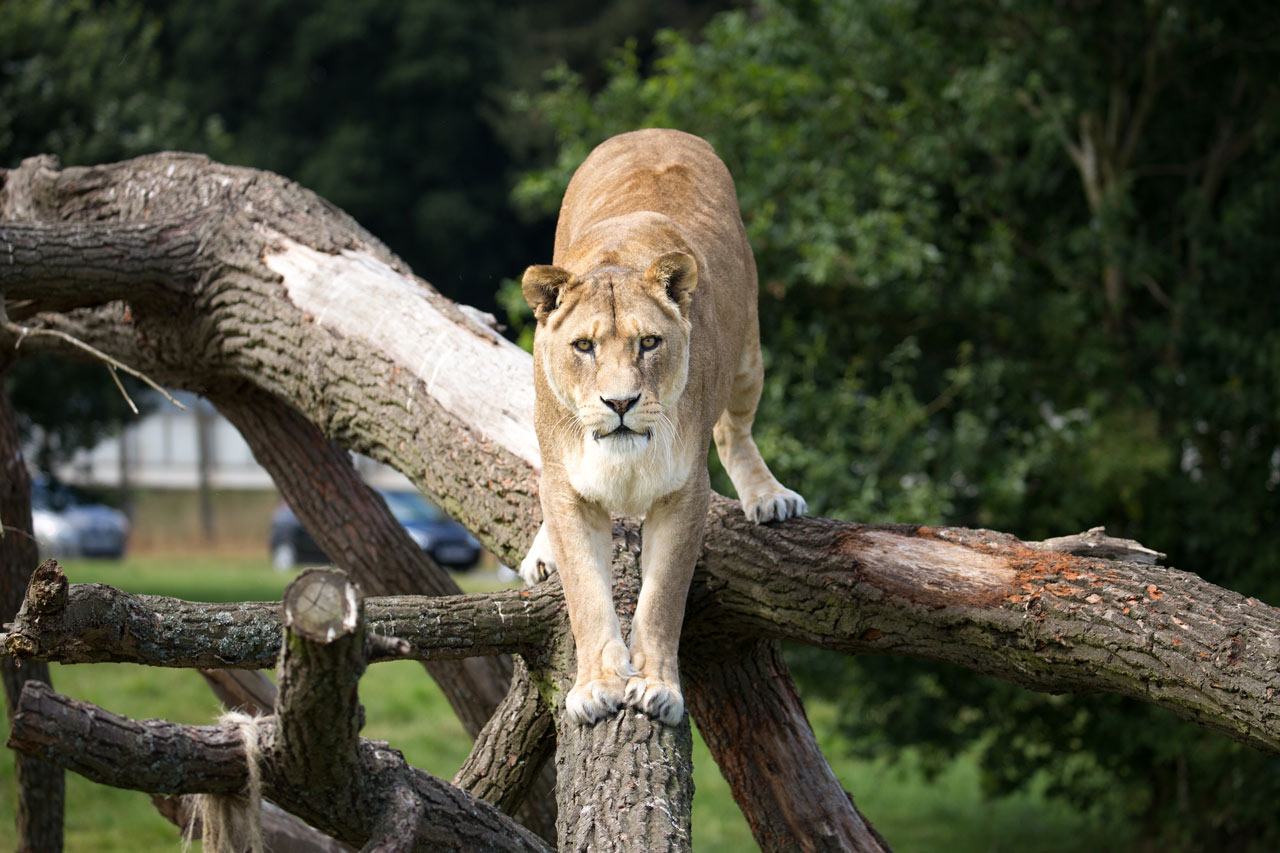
626 782
353 526
57 267
985 600
250 692
156 756
512 747
93 623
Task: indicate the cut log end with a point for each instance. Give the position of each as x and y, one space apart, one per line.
322 605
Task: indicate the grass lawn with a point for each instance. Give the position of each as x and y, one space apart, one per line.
404 707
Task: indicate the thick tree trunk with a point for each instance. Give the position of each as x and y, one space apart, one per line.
39 808
242 286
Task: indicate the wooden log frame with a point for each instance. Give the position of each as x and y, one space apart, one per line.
308 753
309 334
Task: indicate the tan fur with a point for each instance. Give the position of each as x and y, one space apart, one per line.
649 246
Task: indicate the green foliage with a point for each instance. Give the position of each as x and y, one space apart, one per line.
983 305
82 80
380 106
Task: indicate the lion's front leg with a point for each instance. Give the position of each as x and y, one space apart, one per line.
581 540
540 562
672 540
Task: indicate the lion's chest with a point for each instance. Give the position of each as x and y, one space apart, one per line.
627 477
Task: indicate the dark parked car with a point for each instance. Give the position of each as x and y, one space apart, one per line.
97 530
447 541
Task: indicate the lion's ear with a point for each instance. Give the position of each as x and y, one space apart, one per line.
676 275
542 286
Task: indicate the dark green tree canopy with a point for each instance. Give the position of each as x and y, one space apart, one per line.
1014 274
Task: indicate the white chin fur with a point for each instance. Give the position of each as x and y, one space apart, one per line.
627 473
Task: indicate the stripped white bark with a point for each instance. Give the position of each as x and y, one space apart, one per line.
360 297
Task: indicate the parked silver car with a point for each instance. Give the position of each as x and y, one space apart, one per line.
92 529
55 536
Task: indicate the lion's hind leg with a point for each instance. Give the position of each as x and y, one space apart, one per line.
763 497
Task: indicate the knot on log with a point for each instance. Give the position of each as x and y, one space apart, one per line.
46 598
47 590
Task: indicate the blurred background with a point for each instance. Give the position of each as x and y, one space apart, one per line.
1018 270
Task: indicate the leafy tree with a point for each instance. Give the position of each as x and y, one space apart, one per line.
1013 274
82 80
379 105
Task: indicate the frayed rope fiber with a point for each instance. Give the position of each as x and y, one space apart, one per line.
232 823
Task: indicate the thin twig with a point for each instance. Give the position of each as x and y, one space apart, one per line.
7 528
120 385
24 332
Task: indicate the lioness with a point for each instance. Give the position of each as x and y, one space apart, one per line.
647 344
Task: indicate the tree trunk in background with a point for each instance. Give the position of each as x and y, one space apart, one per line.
204 467
39 810
126 476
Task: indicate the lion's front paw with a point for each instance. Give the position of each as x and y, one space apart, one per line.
777 505
591 700
539 563
659 699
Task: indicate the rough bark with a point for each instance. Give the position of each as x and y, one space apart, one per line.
250 692
274 292
41 786
626 782
1049 621
517 740
264 289
352 524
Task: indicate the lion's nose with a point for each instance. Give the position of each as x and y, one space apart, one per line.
621 406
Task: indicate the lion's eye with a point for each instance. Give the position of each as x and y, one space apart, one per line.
583 345
649 342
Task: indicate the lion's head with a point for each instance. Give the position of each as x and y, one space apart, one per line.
614 348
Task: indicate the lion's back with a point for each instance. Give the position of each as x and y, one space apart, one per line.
669 172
